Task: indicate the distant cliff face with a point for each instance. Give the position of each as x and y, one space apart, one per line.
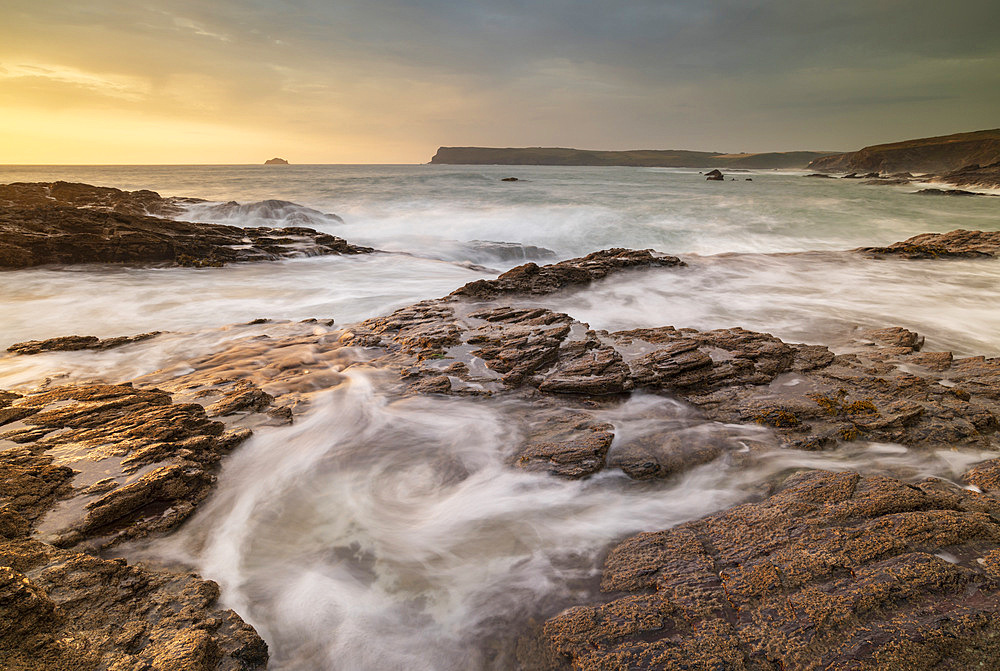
932 154
275 161
650 158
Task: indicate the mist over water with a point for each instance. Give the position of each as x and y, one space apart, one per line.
379 533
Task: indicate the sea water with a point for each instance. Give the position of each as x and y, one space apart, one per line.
383 533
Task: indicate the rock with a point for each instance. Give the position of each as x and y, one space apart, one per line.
99 198
156 461
954 244
31 236
820 174
531 278
834 571
508 251
65 610
510 179
986 176
275 161
714 176
949 192
75 342
852 175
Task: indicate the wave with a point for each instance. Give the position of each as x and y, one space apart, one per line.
271 212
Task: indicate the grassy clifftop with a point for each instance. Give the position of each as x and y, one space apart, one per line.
929 154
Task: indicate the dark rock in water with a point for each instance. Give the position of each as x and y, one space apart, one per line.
959 243
835 570
870 175
714 176
888 181
950 192
508 251
748 179
987 176
821 175
852 175
31 236
275 161
99 198
510 179
73 343
534 279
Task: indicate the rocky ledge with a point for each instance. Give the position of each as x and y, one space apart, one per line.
76 223
83 468
823 570
955 244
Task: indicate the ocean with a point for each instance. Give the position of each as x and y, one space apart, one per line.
342 538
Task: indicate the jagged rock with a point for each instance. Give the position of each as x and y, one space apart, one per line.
65 610
949 192
156 460
531 278
715 176
99 198
75 342
78 223
834 571
958 243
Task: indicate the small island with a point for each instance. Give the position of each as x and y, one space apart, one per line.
275 161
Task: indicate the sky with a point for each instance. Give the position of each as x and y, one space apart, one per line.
388 81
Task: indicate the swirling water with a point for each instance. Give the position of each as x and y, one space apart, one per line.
379 533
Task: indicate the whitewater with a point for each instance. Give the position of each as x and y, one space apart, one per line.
383 533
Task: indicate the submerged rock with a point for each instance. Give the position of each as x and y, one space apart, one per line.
531 278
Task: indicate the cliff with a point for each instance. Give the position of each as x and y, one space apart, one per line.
649 158
942 154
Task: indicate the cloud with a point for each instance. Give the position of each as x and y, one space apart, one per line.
411 75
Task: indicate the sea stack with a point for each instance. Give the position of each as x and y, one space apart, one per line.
275 161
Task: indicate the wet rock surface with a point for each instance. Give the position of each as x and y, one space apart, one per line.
74 343
835 570
76 223
83 468
531 278
832 570
959 243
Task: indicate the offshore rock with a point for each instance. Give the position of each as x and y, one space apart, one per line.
531 278
715 176
956 244
42 235
66 222
99 198
75 342
836 570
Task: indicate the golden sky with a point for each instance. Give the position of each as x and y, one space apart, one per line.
388 81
